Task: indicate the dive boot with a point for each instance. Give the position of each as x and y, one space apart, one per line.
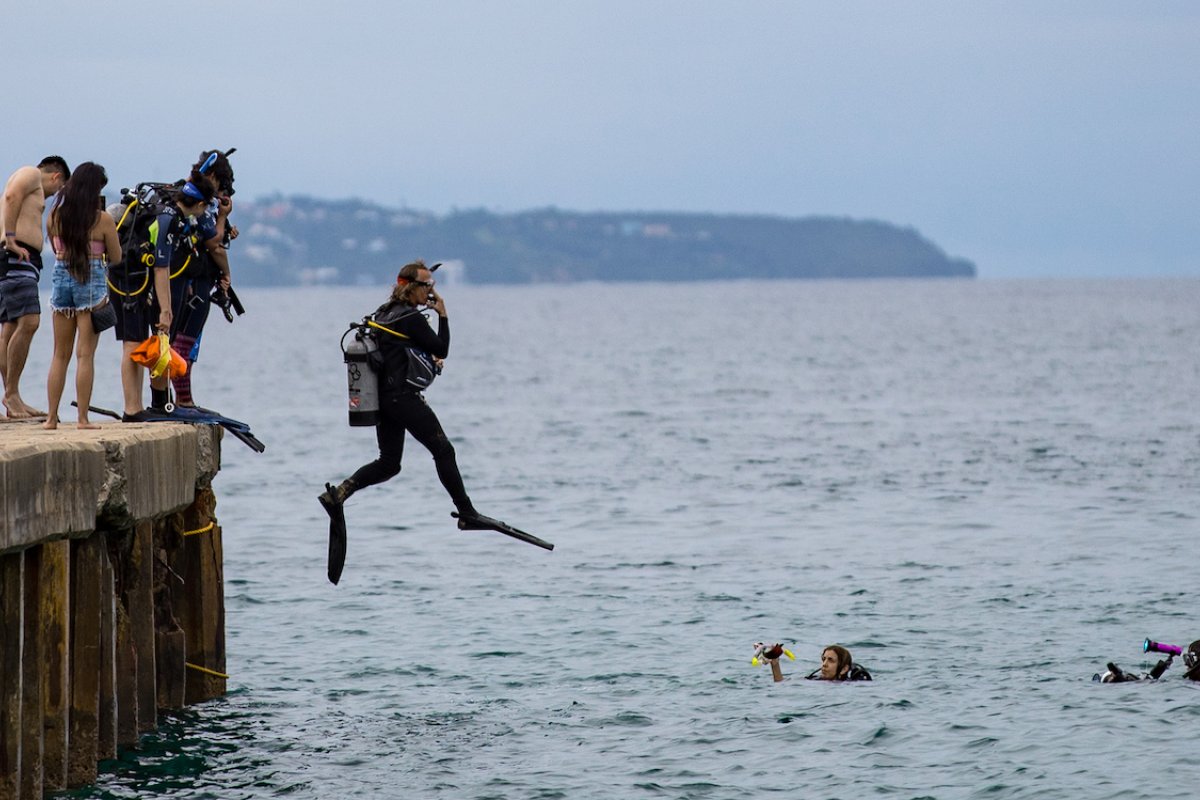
472 520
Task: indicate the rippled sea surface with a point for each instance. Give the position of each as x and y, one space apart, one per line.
986 490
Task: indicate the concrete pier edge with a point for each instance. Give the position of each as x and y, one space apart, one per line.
103 602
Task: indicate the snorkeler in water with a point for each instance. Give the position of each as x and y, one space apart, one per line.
838 665
1191 663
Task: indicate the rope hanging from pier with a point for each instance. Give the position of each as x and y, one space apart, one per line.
205 529
205 670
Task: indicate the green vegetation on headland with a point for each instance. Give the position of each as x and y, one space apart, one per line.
301 240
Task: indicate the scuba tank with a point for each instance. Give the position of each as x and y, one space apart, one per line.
362 382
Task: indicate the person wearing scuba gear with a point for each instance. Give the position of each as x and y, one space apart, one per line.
85 239
192 289
837 665
402 409
172 236
1191 661
24 201
1191 664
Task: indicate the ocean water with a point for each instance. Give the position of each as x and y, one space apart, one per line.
986 490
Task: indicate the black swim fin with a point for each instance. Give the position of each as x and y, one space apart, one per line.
337 532
247 438
228 422
198 416
478 522
97 410
239 429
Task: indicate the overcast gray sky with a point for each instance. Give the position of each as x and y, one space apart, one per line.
1035 138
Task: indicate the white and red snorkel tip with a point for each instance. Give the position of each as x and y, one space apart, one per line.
769 652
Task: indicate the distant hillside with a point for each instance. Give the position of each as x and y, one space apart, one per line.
301 240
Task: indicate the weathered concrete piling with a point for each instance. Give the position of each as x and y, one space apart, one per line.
111 592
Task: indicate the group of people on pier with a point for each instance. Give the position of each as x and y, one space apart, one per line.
153 263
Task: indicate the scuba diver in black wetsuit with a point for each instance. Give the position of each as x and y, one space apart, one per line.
837 665
399 326
163 235
192 288
1191 661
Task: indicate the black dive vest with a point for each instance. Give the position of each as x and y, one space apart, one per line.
857 673
405 367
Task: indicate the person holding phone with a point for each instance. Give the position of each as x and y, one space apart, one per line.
400 327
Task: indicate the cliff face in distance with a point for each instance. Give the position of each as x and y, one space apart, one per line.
300 240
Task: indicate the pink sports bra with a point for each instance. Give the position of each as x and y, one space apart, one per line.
97 247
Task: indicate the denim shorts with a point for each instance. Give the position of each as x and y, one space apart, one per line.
69 295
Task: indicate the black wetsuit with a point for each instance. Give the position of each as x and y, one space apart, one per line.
402 408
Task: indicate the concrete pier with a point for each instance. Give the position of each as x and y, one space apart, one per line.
111 592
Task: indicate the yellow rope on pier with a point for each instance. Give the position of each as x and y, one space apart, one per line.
205 529
205 670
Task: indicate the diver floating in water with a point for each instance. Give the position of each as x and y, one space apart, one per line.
838 665
394 356
1191 662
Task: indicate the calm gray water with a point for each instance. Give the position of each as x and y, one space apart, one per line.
985 490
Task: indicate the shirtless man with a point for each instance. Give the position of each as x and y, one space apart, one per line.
24 202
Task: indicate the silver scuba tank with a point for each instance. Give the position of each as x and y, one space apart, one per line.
362 382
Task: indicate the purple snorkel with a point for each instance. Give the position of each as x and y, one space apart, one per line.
1158 647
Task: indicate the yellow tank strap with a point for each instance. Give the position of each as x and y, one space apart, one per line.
372 323
205 529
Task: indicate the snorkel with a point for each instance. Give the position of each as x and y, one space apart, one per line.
1150 646
770 654
208 163
222 173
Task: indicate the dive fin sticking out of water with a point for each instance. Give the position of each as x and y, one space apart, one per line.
478 522
337 532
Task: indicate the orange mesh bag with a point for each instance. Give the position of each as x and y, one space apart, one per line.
156 353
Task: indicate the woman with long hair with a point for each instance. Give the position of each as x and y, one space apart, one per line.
838 665
402 408
85 242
